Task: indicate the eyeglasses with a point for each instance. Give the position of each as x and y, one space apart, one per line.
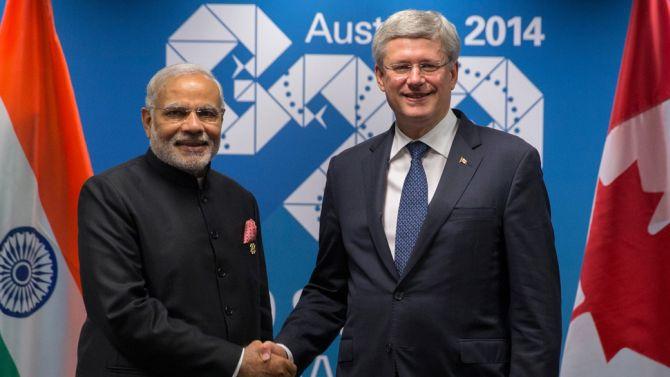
426 68
178 114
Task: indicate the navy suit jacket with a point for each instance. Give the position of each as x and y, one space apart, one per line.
480 295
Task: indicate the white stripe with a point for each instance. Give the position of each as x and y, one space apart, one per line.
644 138
584 356
44 343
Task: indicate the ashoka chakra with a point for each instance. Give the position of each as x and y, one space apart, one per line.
28 271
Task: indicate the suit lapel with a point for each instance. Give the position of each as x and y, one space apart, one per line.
462 163
375 171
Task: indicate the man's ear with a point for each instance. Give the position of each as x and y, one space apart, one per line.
146 121
379 74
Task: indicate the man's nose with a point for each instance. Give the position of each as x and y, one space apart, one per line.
415 76
192 123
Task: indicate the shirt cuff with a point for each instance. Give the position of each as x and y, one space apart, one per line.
288 352
239 364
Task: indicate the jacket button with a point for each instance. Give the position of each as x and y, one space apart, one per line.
214 234
204 199
388 347
399 295
220 272
228 310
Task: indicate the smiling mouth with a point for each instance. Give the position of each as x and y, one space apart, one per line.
191 143
192 146
417 96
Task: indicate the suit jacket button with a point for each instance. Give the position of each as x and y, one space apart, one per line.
214 234
204 198
388 347
220 272
228 311
399 295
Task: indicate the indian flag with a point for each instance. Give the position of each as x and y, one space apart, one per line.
43 163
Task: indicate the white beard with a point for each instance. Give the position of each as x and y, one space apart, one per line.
193 163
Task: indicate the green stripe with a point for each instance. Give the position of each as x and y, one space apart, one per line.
7 367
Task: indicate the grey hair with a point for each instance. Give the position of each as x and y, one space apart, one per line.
412 23
161 77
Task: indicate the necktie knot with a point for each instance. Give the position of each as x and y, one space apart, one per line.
417 149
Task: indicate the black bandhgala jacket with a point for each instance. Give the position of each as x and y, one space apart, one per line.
170 288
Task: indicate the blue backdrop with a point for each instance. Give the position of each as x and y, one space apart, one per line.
297 81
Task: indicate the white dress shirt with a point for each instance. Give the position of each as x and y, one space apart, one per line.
439 139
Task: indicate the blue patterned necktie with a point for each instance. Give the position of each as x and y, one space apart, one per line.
413 206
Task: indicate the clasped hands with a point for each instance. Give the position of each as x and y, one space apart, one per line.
266 359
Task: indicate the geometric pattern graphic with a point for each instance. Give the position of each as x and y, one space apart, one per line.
250 132
214 30
513 103
208 36
28 272
344 80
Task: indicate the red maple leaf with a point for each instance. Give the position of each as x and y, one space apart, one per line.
626 272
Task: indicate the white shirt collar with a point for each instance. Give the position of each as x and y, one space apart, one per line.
438 139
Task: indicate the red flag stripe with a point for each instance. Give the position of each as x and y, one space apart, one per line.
36 90
644 79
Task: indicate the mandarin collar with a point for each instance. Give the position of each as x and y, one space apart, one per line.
174 174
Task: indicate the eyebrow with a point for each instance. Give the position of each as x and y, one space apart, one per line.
178 104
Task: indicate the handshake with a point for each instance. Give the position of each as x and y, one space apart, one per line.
266 359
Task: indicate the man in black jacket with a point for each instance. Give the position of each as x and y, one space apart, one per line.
172 263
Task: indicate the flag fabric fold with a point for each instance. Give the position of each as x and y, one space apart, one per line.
620 324
44 164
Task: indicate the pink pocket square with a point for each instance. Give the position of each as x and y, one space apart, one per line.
250 230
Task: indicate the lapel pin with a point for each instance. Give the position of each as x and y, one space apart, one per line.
462 160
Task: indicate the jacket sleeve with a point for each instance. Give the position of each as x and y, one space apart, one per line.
117 300
321 311
535 292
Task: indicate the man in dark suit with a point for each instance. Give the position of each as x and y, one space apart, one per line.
172 264
436 249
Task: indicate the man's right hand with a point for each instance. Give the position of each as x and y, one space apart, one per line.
259 361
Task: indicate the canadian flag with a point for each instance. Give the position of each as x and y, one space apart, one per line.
43 164
621 320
